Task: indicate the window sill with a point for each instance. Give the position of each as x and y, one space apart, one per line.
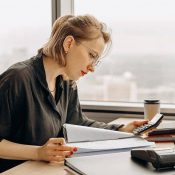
124 108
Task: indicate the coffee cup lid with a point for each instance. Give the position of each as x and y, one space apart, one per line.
152 101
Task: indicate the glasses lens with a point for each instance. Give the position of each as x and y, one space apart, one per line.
96 63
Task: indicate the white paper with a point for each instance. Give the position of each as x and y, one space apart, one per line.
111 144
76 133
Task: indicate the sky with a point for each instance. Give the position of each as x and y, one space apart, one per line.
129 10
138 26
24 24
27 12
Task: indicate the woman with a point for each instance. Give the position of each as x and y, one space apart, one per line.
39 95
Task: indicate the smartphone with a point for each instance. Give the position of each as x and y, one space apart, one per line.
161 158
151 124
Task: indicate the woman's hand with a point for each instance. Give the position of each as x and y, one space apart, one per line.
131 126
55 149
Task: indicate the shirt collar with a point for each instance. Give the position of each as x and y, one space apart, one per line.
40 71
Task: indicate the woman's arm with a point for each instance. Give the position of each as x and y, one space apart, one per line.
53 150
11 150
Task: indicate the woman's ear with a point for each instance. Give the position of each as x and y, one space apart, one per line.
68 43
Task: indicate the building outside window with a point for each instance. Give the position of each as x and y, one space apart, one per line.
141 62
25 27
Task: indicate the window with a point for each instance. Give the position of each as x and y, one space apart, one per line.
141 63
25 27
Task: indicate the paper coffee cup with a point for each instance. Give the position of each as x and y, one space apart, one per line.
151 108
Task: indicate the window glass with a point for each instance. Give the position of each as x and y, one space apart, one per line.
25 27
141 63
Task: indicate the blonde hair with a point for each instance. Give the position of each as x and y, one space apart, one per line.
82 28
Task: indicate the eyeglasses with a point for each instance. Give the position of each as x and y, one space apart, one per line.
93 55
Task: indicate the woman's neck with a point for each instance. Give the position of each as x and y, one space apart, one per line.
52 69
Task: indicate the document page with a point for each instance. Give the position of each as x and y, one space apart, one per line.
111 144
76 133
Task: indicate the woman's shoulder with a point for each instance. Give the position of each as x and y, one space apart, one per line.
17 73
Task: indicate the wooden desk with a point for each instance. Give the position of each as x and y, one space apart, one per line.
43 168
39 168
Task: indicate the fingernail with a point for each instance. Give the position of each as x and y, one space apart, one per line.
75 149
70 154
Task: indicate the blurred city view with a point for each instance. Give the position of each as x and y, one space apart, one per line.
25 27
140 64
131 78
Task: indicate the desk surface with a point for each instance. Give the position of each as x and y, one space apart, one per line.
40 168
116 163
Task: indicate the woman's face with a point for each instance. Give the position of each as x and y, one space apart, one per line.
82 58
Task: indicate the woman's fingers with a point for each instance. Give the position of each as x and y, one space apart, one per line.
139 123
61 147
56 158
59 141
55 149
60 153
66 148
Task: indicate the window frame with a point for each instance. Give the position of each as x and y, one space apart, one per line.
123 109
101 109
61 7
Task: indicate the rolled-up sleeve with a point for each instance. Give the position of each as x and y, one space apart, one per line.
77 117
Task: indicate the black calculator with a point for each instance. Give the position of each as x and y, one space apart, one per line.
151 124
161 158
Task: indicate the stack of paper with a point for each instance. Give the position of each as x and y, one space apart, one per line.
88 139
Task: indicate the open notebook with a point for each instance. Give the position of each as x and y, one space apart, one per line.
91 140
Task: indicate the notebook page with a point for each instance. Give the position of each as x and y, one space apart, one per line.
76 133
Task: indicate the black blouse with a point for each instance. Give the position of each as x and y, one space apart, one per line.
28 112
